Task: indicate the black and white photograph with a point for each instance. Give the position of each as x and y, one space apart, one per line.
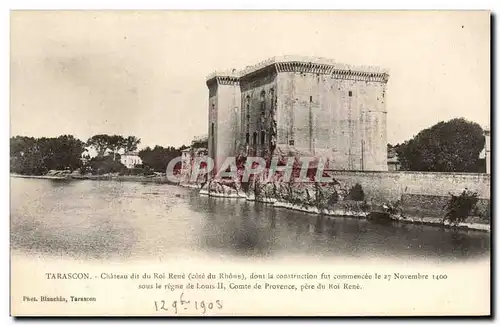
250 163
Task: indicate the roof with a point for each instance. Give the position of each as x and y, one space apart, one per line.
295 58
393 159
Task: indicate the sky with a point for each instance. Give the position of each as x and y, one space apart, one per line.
143 73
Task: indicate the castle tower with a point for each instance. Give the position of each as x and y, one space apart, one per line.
289 106
224 116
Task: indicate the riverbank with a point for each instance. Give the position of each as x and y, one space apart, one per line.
345 208
342 208
38 177
136 178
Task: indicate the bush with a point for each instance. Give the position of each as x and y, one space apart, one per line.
356 193
334 198
460 207
106 165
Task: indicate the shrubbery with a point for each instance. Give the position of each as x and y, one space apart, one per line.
460 207
104 165
356 193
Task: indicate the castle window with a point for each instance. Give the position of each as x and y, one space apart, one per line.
350 93
212 131
271 96
255 138
248 109
291 142
247 138
310 98
262 137
263 101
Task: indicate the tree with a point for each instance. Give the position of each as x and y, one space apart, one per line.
100 143
158 157
451 146
131 143
105 165
37 156
64 152
115 144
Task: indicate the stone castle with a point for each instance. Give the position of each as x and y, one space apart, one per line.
300 106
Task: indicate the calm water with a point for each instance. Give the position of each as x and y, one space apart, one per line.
127 220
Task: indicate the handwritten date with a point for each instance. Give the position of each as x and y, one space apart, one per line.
183 305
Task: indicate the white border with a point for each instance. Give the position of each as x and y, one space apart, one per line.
6 6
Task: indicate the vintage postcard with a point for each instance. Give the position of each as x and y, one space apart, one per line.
250 163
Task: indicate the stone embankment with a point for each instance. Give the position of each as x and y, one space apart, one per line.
333 199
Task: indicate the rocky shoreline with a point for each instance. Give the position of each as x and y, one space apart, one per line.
343 208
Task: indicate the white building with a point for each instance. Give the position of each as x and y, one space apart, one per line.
130 159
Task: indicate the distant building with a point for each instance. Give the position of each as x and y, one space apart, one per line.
85 157
312 106
130 159
200 142
487 150
188 159
393 163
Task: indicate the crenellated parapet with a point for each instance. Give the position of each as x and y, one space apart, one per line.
224 80
311 65
324 69
231 77
314 65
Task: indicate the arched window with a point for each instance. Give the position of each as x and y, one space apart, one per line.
262 137
254 138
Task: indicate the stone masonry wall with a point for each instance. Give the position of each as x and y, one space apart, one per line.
390 186
258 95
343 119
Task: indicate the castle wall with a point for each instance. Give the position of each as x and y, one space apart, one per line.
224 120
342 119
258 102
308 108
385 187
212 120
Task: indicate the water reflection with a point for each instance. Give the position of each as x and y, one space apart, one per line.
127 220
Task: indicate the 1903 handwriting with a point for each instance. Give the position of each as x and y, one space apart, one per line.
182 305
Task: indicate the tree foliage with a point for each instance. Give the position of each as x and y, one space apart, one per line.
460 207
356 193
37 156
451 146
103 143
103 165
158 157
